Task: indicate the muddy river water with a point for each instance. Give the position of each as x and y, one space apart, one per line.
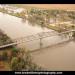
59 57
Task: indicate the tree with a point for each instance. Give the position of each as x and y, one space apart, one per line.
5 55
72 16
73 35
23 61
54 13
14 64
14 51
22 14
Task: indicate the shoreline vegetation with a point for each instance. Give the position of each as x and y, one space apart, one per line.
15 59
4 39
43 17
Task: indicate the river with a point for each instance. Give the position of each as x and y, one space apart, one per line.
60 57
15 28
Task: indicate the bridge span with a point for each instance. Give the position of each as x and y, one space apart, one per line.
41 39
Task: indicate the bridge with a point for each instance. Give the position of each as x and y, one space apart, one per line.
38 36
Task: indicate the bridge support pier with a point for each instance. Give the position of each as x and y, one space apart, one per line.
41 43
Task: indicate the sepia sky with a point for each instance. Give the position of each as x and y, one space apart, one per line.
54 6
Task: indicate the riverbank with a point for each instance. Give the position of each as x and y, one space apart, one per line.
23 16
4 64
4 39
